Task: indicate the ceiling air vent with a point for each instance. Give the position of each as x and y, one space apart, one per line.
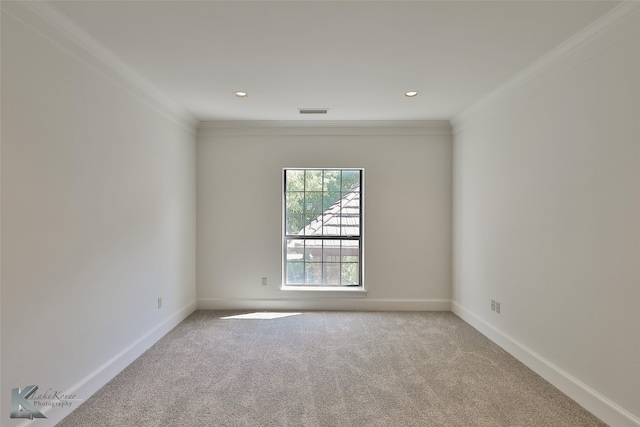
313 110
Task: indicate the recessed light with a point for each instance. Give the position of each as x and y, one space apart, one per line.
411 94
241 94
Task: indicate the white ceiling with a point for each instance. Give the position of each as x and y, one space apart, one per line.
355 58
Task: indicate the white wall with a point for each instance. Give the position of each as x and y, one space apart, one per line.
407 211
98 217
547 220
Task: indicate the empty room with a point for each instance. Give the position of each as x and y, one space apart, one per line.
320 213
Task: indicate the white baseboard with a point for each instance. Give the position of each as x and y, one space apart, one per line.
316 303
103 374
585 396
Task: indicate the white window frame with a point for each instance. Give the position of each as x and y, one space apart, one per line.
341 290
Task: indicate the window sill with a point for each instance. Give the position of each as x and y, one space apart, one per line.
324 291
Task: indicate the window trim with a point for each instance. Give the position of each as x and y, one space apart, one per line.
326 290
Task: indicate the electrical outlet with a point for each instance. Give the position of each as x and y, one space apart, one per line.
264 281
493 305
498 307
160 302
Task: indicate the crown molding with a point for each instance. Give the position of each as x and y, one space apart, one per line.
327 127
624 11
45 20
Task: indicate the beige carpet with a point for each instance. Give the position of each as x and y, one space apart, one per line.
328 369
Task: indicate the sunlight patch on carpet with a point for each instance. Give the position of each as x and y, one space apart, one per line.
260 316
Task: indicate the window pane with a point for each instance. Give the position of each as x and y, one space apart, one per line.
294 201
313 202
329 199
313 250
331 251
350 251
295 273
331 225
350 215
349 226
295 261
294 223
295 180
313 272
295 250
313 180
294 212
332 274
350 178
331 180
313 213
350 274
351 201
314 225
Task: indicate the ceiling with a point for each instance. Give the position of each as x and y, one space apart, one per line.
354 58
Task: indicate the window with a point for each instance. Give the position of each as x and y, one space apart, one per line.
322 242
